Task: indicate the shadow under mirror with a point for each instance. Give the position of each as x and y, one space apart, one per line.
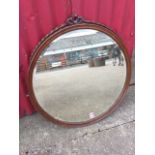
79 75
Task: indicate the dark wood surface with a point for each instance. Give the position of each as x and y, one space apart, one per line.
67 27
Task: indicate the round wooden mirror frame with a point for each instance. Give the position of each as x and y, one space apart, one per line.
74 23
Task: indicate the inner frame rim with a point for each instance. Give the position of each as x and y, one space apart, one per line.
55 34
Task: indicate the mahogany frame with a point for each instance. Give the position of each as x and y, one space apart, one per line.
74 23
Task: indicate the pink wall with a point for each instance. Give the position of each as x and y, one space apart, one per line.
39 17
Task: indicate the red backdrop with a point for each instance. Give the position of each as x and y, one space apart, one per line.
39 17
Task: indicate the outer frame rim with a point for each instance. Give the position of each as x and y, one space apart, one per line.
47 40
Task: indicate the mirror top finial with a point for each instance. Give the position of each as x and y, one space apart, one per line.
74 19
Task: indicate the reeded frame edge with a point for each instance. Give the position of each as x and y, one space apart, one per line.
52 36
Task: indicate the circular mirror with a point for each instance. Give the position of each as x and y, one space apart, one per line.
79 74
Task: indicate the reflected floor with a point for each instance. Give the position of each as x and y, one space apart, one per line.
78 93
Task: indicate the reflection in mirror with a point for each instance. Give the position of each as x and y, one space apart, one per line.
79 75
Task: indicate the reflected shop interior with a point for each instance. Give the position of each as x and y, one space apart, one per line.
79 75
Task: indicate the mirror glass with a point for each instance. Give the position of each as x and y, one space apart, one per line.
79 75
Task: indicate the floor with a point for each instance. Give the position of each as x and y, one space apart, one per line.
114 135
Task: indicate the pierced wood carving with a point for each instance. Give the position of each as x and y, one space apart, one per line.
75 19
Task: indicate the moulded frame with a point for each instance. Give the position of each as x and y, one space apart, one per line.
75 23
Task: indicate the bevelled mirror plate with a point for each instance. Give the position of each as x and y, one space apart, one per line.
79 76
